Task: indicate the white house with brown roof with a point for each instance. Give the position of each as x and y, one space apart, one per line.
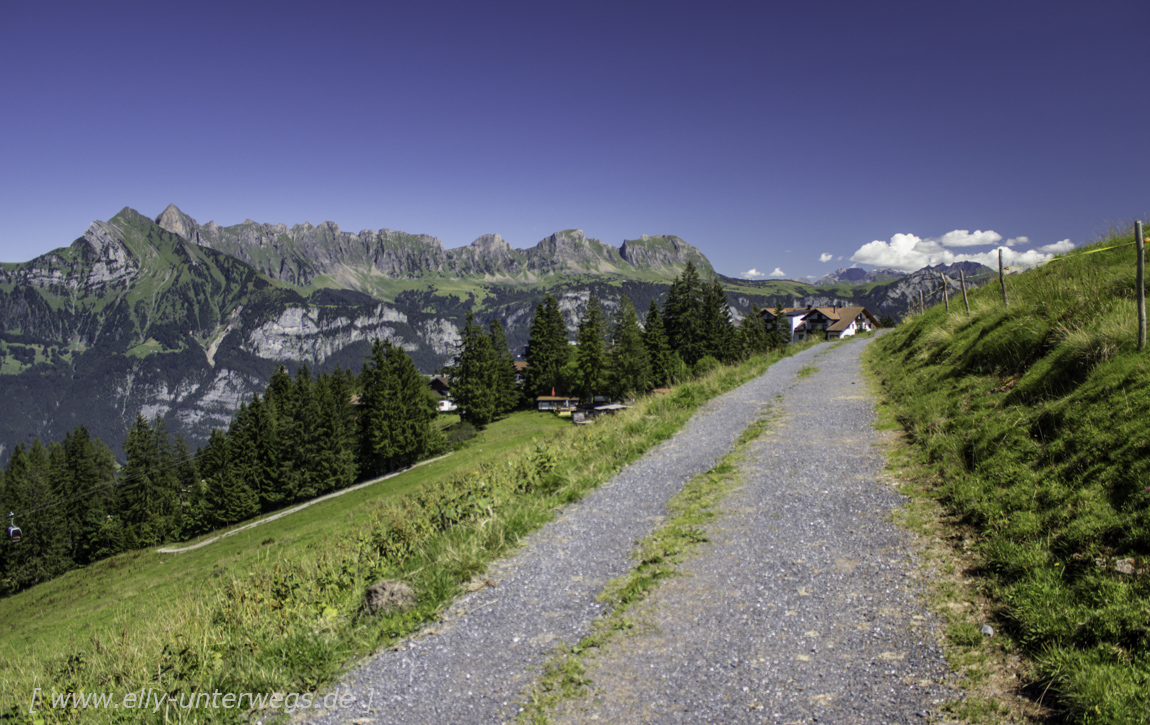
829 323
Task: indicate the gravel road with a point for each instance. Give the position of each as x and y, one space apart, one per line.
801 608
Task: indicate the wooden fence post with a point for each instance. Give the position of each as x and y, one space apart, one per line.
1140 282
965 301
945 291
1001 279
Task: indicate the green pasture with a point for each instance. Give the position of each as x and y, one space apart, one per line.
1031 417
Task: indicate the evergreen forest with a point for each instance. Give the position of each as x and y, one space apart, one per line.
307 435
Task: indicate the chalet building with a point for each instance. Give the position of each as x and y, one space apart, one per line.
441 384
557 403
827 323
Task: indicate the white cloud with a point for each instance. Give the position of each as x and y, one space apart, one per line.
753 273
1010 258
824 257
1017 240
1058 247
908 253
964 238
904 252
777 273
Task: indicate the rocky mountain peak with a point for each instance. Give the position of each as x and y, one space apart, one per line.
857 275
662 251
177 222
110 261
299 253
491 244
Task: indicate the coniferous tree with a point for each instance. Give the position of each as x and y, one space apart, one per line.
338 428
781 334
507 392
84 479
547 351
591 352
474 376
658 347
417 409
396 412
148 490
190 514
229 497
683 316
753 333
630 366
280 391
42 552
718 332
265 475
300 443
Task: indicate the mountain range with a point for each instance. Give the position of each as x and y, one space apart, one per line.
173 318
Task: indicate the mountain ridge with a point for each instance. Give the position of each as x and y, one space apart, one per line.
134 316
306 255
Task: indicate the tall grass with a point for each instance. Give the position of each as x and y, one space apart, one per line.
290 621
1034 417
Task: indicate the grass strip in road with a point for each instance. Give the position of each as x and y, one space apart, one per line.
564 676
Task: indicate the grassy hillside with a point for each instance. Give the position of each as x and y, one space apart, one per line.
277 608
1033 418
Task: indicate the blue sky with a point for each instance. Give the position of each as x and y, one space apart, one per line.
784 138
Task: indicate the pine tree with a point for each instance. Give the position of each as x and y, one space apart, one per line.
630 366
396 412
753 333
417 408
718 332
591 352
475 375
507 392
43 550
229 497
265 475
148 490
547 351
658 347
84 479
683 316
280 391
781 335
339 428
300 442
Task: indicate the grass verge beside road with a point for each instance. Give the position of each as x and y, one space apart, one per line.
276 609
1027 425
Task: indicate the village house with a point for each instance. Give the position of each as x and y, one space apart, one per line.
556 403
829 323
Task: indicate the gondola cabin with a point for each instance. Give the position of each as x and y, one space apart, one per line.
13 529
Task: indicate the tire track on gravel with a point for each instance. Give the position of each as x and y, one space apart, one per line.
802 607
473 665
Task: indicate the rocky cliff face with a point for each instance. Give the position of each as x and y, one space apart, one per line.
854 275
302 254
96 261
133 318
185 321
662 251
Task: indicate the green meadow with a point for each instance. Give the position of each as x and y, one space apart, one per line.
1029 423
277 608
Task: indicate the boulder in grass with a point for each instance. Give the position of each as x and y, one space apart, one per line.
388 595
